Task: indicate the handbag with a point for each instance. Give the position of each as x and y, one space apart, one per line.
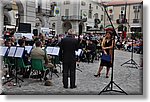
106 57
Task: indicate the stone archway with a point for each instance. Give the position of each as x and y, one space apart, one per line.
66 26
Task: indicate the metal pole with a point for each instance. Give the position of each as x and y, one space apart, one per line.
1 18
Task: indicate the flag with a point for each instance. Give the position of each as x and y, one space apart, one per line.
110 10
57 11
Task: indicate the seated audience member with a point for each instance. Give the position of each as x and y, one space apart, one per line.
38 53
90 51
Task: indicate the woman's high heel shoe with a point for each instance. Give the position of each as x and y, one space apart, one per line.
98 75
107 76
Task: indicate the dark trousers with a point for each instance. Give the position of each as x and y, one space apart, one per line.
90 55
69 69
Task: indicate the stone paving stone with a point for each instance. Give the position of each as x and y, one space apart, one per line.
129 79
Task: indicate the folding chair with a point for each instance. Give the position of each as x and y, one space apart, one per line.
37 65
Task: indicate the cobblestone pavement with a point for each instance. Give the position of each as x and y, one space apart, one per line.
128 78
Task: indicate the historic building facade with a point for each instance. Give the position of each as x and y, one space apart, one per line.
65 14
126 15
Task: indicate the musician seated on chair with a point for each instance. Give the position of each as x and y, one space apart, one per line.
25 55
25 58
39 53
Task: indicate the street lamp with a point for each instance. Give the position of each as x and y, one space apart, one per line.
17 17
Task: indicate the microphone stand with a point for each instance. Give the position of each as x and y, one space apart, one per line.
110 86
131 61
77 55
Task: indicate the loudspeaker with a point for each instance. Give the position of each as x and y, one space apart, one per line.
24 28
35 32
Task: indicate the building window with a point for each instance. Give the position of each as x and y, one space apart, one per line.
121 16
122 8
83 3
134 7
81 12
136 11
90 7
66 12
90 13
66 2
139 6
96 15
39 4
111 16
97 7
53 25
102 17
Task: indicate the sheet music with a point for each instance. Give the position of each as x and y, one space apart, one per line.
12 51
20 35
28 35
49 50
55 51
19 52
28 48
3 50
78 52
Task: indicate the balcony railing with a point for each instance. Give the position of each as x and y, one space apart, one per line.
71 18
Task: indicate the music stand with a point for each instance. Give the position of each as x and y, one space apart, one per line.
111 84
3 50
78 53
15 52
131 60
53 51
28 49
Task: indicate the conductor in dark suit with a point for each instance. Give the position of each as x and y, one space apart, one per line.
68 46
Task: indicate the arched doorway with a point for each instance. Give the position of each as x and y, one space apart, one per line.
66 26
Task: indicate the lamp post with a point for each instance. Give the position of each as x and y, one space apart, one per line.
17 17
2 18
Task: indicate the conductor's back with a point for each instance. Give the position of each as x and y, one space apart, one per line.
68 46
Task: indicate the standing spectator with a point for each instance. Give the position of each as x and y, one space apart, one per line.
68 46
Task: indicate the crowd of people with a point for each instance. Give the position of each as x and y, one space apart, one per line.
92 46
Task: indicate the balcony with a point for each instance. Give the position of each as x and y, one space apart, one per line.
136 21
71 18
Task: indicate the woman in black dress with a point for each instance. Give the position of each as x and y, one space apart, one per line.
107 46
